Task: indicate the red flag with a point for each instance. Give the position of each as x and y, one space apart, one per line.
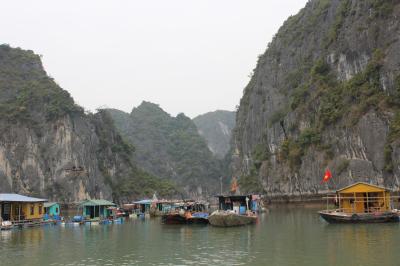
234 185
327 176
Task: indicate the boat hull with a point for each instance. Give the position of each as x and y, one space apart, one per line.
174 219
197 220
228 219
338 217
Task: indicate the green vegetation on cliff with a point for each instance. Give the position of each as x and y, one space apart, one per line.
170 147
130 180
324 94
28 94
50 148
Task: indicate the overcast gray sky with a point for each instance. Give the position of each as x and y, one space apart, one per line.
188 56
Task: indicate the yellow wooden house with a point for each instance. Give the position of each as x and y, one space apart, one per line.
363 198
16 208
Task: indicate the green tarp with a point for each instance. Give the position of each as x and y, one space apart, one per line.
97 203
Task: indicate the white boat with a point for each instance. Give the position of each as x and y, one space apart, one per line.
6 225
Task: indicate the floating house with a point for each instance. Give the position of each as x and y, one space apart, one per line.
20 209
360 202
363 197
239 204
52 209
144 206
234 210
95 209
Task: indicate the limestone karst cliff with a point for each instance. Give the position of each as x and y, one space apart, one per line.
50 147
216 128
324 94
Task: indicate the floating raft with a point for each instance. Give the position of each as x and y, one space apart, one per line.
228 219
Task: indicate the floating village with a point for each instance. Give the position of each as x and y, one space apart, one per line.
358 203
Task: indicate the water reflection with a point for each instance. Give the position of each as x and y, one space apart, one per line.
285 236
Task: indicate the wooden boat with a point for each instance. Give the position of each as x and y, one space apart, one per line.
229 218
360 203
174 218
189 212
198 218
187 218
234 211
377 217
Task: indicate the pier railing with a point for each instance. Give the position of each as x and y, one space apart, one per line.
370 204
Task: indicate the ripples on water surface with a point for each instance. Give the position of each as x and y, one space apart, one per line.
286 236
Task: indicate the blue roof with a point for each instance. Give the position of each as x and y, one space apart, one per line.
9 197
143 202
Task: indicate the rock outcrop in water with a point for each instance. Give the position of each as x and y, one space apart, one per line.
216 128
50 148
326 93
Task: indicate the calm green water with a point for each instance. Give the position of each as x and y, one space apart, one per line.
288 236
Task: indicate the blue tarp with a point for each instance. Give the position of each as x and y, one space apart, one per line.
200 214
77 218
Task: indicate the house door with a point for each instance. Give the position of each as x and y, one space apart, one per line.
359 202
6 211
91 212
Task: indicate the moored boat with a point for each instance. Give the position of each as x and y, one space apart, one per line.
174 218
198 218
377 217
188 212
361 203
233 211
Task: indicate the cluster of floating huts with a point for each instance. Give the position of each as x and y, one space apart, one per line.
22 211
357 203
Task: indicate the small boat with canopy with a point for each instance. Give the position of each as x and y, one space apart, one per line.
188 212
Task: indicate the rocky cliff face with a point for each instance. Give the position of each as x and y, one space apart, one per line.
50 148
216 128
325 94
170 147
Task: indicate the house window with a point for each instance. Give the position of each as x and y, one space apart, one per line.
32 209
40 208
57 210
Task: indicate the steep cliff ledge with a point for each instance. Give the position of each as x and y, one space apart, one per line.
50 148
326 93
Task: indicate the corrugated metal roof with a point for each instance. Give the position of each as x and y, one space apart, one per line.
9 197
96 202
143 202
49 204
363 183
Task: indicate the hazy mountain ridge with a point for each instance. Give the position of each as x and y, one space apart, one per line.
324 94
216 127
170 147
